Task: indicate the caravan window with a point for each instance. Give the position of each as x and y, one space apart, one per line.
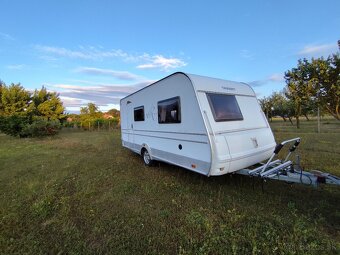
169 111
139 113
224 107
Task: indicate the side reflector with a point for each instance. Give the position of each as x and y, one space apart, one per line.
193 165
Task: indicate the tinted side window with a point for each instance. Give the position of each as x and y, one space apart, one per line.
224 107
139 113
169 111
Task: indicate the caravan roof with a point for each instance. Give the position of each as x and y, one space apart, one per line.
205 83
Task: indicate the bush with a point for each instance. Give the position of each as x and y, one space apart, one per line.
24 127
13 125
41 127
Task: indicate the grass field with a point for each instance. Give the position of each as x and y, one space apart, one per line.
82 193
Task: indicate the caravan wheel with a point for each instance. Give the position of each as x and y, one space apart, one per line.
147 158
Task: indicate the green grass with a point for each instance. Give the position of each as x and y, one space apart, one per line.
82 193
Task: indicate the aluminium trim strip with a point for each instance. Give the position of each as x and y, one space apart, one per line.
167 132
161 137
180 165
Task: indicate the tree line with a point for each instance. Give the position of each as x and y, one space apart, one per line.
91 117
39 113
312 84
26 114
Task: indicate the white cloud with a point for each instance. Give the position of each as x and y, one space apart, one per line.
145 60
257 83
63 52
48 58
276 77
6 36
91 53
317 50
101 94
123 75
72 102
159 61
246 54
16 67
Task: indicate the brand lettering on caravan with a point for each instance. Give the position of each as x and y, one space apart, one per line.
228 88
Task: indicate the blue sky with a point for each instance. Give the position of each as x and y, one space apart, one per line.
99 51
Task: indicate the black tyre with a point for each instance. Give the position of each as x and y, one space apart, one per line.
147 158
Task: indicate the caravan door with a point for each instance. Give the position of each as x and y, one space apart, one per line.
129 121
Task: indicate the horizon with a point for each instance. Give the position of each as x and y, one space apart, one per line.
101 51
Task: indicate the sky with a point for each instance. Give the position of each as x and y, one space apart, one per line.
100 51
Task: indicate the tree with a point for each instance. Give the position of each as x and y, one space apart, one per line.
324 78
290 108
84 110
15 100
277 104
330 93
90 115
315 83
46 104
53 108
307 108
38 97
281 106
93 109
114 113
2 84
299 86
266 105
27 115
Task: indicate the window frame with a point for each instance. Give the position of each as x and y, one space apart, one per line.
213 109
134 113
179 115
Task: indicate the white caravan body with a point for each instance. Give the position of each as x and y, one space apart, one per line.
207 125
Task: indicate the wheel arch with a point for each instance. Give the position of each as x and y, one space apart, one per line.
146 147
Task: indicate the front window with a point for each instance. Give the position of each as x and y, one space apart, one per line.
169 111
224 107
139 113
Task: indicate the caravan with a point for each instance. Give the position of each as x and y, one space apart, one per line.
207 125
